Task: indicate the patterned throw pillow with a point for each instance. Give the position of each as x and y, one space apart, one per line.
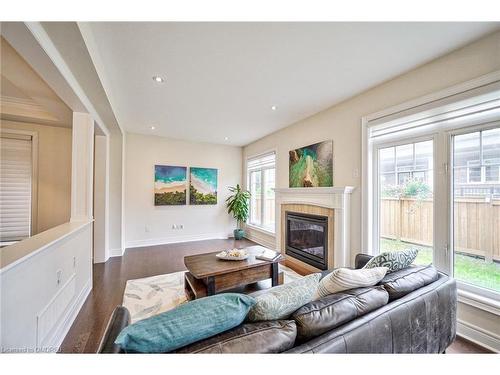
394 260
344 279
281 301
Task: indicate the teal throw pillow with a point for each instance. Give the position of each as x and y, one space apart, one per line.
190 322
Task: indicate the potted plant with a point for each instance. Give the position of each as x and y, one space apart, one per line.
237 205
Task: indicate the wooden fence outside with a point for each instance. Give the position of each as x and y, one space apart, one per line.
476 224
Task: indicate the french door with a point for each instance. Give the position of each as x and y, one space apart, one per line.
440 193
405 197
475 208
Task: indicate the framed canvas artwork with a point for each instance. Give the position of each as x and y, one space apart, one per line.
311 166
203 186
170 185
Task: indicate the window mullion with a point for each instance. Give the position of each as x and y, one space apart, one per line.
262 196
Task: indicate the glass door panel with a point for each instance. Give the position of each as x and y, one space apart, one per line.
269 213
476 208
255 198
406 205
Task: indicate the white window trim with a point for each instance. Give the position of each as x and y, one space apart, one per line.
34 174
443 260
254 226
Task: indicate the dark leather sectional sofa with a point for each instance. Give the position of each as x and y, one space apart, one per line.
409 311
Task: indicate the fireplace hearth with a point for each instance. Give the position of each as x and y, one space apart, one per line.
306 238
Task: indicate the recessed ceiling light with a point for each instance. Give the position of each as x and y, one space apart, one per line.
226 138
153 127
274 108
158 79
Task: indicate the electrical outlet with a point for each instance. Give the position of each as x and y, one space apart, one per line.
58 276
355 173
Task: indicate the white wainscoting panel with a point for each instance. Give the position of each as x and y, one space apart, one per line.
50 315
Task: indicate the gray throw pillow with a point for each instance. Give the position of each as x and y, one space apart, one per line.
394 260
281 301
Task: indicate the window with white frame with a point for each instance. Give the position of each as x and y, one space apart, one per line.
434 185
261 181
477 159
16 169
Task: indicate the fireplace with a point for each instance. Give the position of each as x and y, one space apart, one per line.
306 238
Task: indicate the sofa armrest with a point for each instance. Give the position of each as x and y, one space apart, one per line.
118 321
361 260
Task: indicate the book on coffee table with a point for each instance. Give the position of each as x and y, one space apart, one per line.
268 255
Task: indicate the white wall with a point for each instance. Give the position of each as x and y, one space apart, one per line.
116 246
101 206
342 123
146 224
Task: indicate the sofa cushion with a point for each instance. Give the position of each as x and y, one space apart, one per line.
342 279
394 260
187 323
400 283
322 315
281 301
263 337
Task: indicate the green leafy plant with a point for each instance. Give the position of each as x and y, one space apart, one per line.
237 204
411 189
417 189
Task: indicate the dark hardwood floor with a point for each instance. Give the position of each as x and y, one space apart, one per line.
109 281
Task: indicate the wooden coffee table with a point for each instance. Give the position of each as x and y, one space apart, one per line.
208 275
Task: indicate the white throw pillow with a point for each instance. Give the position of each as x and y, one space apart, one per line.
345 279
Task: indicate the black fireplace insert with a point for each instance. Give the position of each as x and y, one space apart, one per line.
307 238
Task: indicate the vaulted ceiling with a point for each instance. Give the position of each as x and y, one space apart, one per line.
25 96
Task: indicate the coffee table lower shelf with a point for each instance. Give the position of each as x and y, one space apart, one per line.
197 288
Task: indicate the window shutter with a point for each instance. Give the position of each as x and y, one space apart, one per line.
15 188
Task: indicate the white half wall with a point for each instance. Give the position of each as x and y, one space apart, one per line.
147 224
42 292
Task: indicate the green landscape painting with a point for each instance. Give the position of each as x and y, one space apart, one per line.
203 186
170 185
312 166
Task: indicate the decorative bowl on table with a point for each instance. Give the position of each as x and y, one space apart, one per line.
234 254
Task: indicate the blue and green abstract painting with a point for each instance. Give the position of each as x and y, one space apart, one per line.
312 166
203 187
170 185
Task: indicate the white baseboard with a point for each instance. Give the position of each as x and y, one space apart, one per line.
62 330
478 336
118 252
175 239
261 238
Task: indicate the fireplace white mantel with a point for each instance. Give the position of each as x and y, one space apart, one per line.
336 198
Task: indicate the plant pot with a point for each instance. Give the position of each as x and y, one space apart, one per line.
239 234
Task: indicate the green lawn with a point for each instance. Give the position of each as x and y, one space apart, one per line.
467 268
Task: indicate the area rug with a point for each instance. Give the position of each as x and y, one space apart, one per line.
153 295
